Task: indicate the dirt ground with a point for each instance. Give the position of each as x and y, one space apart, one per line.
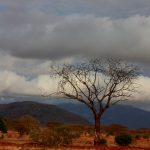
13 142
21 147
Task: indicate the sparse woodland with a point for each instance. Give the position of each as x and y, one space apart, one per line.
97 83
56 135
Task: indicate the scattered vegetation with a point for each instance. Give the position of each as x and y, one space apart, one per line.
102 141
27 129
123 140
137 137
96 81
146 136
115 129
26 125
58 136
3 127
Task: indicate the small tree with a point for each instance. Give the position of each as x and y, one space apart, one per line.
3 127
26 124
97 83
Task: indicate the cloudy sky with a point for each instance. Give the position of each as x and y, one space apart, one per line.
36 33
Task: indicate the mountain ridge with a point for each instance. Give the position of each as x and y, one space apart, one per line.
43 112
77 113
129 116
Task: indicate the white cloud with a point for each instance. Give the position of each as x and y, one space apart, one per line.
44 29
28 67
44 85
144 87
13 83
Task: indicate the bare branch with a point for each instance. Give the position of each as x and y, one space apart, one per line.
87 85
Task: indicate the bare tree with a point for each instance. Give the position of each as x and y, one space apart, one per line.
98 83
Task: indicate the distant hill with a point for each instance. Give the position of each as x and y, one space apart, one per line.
6 98
43 112
77 113
120 114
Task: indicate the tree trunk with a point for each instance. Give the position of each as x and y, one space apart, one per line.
97 129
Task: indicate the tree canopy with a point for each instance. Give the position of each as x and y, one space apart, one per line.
98 83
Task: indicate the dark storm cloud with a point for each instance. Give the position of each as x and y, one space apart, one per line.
51 30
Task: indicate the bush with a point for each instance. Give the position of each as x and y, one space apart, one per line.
90 131
45 137
102 141
123 140
65 135
3 127
26 124
35 135
110 133
52 137
52 125
115 129
145 136
137 137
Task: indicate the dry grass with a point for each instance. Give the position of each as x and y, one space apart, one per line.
13 141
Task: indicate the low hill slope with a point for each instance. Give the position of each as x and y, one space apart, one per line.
120 114
43 112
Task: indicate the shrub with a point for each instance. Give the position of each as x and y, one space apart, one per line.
35 135
26 124
111 133
115 129
90 131
123 140
137 137
52 137
53 125
3 128
65 135
45 137
145 136
102 141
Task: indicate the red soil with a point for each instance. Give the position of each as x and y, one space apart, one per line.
106 148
